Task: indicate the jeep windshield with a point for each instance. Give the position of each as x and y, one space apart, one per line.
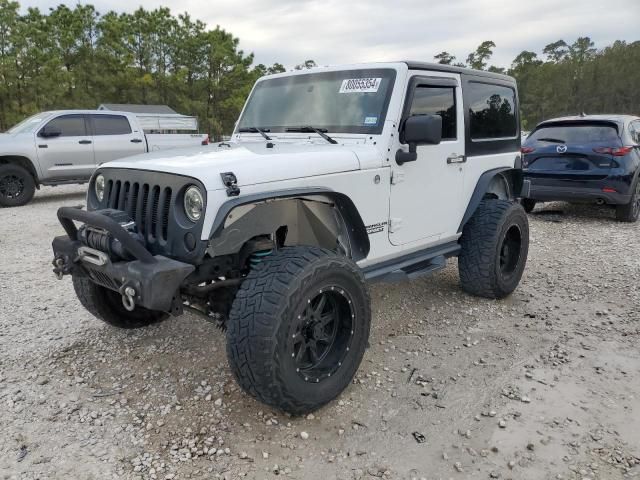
347 101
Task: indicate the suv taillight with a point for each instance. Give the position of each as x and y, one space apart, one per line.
615 151
527 150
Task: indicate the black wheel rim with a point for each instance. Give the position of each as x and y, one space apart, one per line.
11 186
510 250
322 334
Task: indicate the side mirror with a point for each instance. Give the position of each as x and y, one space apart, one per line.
419 130
50 132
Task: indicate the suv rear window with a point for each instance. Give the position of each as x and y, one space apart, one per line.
492 112
578 133
110 125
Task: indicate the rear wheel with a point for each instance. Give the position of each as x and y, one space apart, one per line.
106 305
17 186
298 328
495 243
631 211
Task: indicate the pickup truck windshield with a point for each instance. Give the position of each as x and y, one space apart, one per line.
347 101
29 124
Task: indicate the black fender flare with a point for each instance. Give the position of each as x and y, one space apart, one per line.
511 174
357 231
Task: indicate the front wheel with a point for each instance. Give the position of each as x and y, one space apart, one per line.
17 186
631 211
298 328
106 305
495 243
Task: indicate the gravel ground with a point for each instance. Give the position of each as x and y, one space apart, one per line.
541 385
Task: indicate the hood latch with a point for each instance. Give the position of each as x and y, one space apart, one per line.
231 182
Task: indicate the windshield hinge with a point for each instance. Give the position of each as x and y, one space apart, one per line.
231 182
397 176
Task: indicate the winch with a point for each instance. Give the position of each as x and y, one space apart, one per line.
102 240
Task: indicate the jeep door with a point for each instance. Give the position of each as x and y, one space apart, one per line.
426 195
114 138
65 148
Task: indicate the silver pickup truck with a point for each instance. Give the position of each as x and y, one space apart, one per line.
66 146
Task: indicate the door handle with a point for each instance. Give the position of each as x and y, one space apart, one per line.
84 142
455 158
136 140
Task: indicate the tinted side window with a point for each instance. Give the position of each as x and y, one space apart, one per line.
110 125
492 112
69 125
437 101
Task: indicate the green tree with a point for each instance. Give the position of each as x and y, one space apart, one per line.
444 58
478 59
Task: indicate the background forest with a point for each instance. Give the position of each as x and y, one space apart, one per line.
77 58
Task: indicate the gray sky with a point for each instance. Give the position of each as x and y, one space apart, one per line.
341 31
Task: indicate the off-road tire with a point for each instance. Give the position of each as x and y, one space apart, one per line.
106 305
263 318
528 204
17 186
631 211
480 264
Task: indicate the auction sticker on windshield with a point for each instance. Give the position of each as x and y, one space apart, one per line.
360 85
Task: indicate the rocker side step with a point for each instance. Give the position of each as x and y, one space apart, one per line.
414 265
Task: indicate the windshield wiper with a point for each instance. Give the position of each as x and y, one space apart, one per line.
554 140
256 130
308 128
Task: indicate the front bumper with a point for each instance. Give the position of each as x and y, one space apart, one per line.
152 282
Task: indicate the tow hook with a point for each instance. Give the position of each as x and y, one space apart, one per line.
128 300
60 267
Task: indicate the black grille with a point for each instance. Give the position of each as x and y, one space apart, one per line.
148 205
154 201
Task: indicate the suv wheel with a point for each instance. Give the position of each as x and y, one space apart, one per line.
528 204
17 186
631 211
106 305
298 328
495 243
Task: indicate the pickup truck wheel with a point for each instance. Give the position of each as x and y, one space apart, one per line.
17 186
298 328
495 243
106 305
631 211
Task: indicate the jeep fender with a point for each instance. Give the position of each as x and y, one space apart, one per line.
493 182
271 210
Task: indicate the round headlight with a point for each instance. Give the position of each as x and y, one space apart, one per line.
193 203
99 187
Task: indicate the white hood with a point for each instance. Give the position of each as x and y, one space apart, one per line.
253 163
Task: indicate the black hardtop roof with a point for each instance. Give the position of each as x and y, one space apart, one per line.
438 67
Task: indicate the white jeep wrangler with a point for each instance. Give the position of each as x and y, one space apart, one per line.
333 177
